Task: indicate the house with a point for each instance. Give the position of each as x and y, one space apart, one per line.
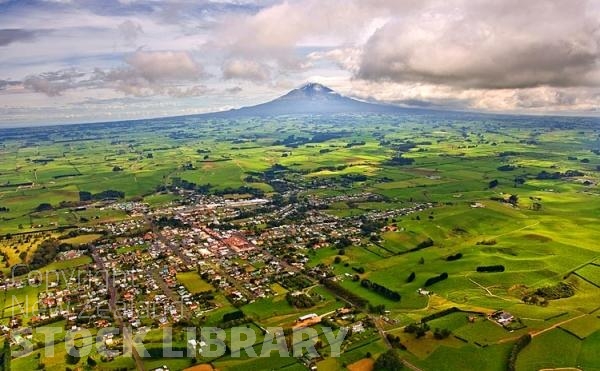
423 292
357 328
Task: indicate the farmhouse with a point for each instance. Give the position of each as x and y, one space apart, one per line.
423 292
358 327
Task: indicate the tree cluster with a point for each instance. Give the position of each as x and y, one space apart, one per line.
558 291
389 361
47 251
422 245
88 196
506 168
440 334
299 301
395 341
544 175
419 329
231 316
399 161
165 221
454 257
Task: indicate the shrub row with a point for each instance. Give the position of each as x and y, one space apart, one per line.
436 279
454 257
381 290
346 294
521 343
490 268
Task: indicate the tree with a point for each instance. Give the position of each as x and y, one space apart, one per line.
388 361
337 259
513 200
440 334
71 359
5 356
43 207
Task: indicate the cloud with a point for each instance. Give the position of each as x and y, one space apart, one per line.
272 34
478 44
543 99
509 56
156 73
54 83
145 73
348 58
5 84
234 90
12 35
130 31
164 65
243 69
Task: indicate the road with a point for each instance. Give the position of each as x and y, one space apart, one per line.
112 304
283 264
537 333
380 330
185 311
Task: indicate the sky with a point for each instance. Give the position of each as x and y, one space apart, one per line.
65 61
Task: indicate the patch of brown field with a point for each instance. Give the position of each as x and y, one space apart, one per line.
358 160
366 364
204 367
208 166
288 319
537 237
307 323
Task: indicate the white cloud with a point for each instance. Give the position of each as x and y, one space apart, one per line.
164 65
146 73
243 69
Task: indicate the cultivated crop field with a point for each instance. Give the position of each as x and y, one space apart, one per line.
519 193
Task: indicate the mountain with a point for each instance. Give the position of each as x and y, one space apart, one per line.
312 98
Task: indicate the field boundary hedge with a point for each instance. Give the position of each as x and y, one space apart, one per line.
446 312
521 343
586 279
